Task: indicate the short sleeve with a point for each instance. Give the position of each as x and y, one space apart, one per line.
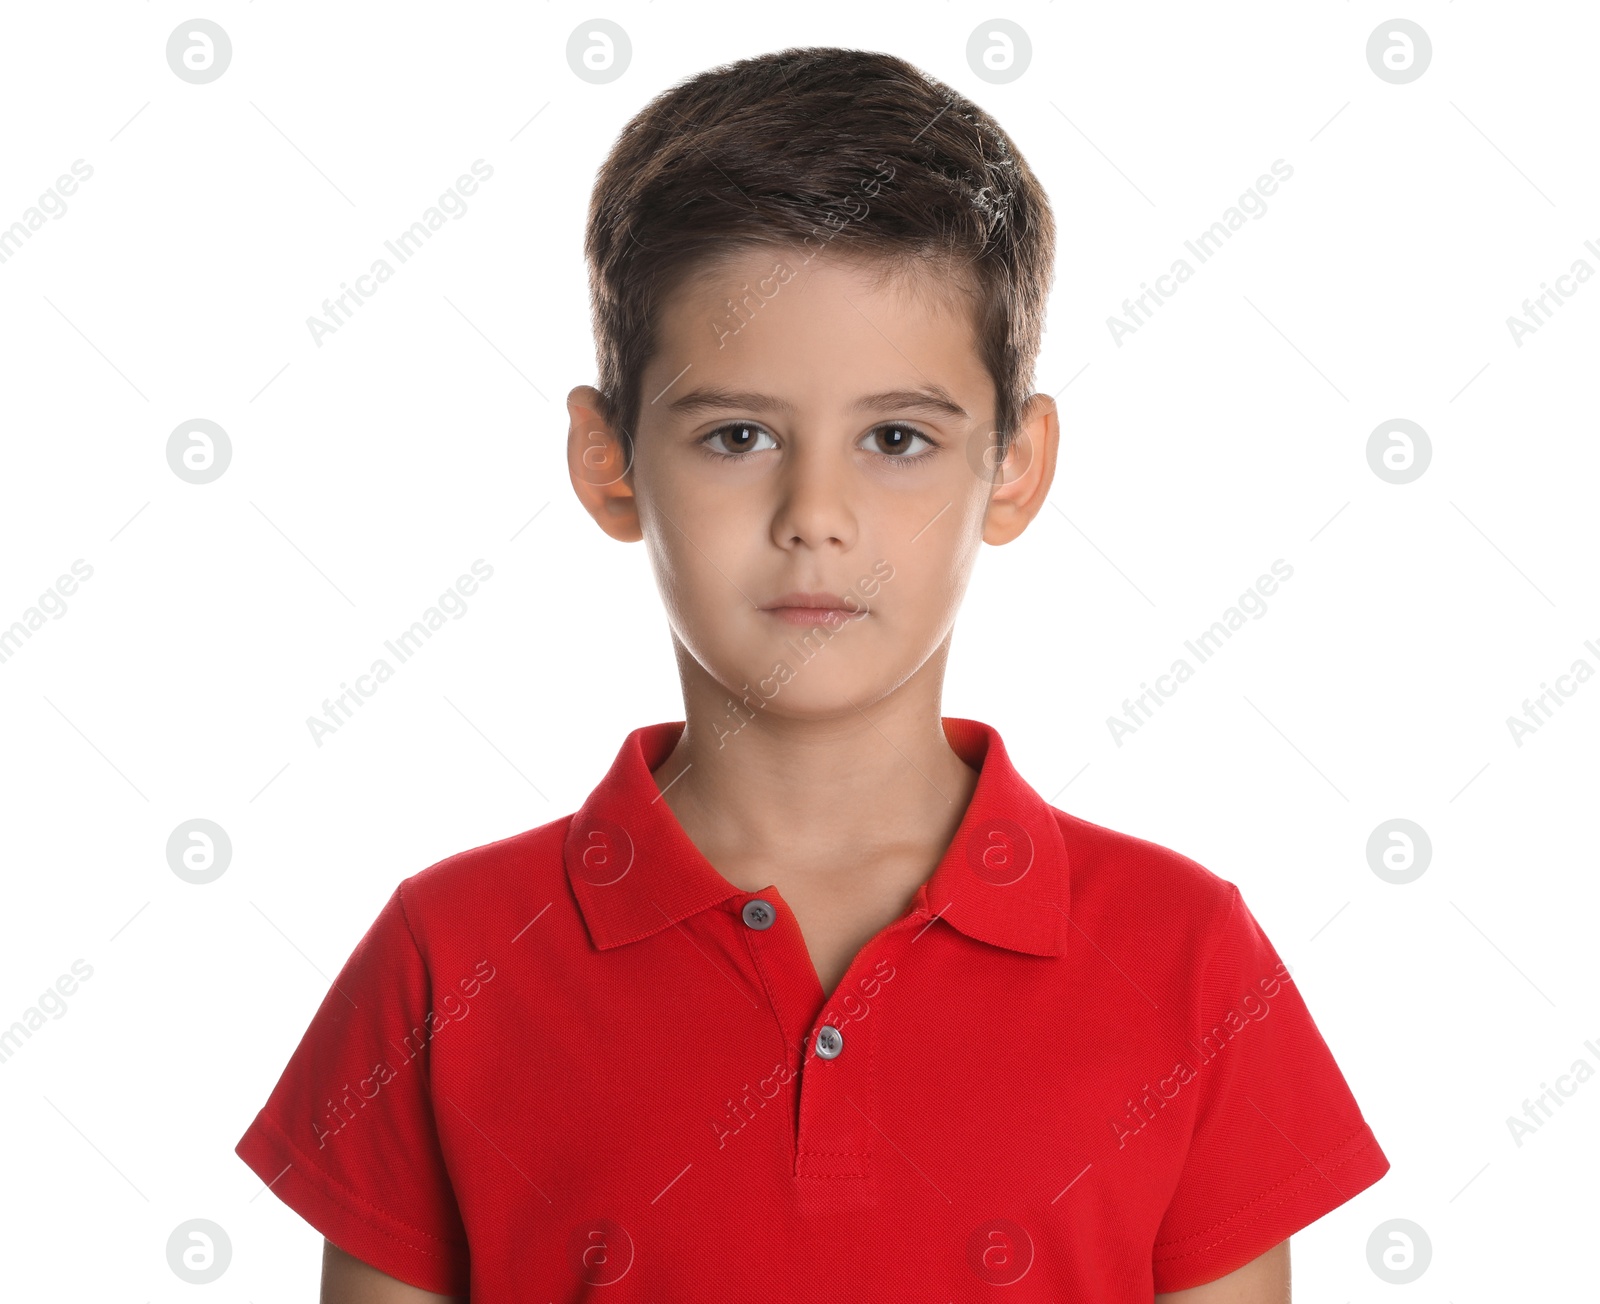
1278 1139
348 1138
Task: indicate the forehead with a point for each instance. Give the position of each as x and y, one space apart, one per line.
819 325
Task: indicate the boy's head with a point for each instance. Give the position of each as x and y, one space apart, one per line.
818 281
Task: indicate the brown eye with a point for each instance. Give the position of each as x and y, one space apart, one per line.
734 440
897 442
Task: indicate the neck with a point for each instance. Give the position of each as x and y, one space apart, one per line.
828 790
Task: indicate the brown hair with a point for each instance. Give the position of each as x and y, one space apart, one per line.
788 149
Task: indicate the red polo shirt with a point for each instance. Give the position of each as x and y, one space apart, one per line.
579 1057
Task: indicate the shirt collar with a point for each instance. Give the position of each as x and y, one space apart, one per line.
1002 880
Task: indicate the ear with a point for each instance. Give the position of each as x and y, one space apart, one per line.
1023 480
598 463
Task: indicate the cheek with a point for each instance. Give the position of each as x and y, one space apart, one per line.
926 588
932 540
696 546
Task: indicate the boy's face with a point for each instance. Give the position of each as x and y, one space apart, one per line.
828 437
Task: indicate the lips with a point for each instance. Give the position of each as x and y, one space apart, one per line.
813 609
807 601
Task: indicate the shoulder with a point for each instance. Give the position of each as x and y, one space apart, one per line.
1163 893
500 880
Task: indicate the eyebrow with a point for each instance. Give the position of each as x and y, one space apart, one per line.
934 400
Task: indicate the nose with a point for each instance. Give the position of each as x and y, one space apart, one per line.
814 507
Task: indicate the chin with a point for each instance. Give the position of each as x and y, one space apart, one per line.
786 684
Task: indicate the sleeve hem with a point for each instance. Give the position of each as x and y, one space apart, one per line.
344 1217
1315 1188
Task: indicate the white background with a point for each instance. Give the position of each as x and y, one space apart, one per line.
368 473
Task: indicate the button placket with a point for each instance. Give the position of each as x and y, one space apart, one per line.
778 954
835 1145
834 1085
834 1167
785 967
838 1148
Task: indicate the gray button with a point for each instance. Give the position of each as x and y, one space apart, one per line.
758 914
830 1041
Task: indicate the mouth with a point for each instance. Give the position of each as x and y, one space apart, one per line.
812 609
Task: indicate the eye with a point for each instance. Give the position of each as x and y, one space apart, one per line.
894 440
740 436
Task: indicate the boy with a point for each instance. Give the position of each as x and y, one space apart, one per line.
814 998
